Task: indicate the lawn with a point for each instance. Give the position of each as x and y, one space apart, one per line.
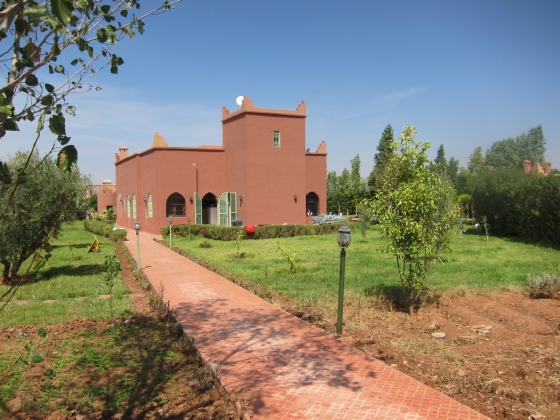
70 285
474 263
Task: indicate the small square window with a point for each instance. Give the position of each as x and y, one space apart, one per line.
276 139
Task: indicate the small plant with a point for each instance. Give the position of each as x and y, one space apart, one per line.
158 304
71 250
546 286
205 244
238 239
486 226
365 214
290 255
111 270
31 356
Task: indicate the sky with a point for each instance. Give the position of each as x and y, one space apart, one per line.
463 73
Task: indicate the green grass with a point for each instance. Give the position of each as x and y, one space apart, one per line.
72 280
474 263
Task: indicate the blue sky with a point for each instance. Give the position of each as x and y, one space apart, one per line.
464 73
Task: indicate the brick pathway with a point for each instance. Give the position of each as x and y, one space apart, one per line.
283 367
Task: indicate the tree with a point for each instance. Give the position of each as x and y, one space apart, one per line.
453 171
476 160
385 147
36 211
408 211
513 152
440 163
52 49
385 151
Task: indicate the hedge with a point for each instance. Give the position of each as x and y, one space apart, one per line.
519 204
229 233
105 229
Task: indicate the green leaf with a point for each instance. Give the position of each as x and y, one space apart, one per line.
37 358
5 106
74 62
102 35
57 124
59 69
62 9
105 8
10 125
21 25
124 13
31 80
22 178
67 157
47 100
35 11
63 140
47 256
108 17
49 88
71 110
42 332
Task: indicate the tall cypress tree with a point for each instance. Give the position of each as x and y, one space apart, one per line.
384 147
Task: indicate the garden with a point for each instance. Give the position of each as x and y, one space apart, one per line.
482 333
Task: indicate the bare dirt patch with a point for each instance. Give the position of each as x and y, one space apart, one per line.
500 354
141 368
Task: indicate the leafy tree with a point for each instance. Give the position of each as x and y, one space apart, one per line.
408 211
476 160
36 211
504 153
512 152
52 49
333 193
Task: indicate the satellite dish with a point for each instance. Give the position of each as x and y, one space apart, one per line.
239 100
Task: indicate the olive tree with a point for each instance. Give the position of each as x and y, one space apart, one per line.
36 211
409 209
50 50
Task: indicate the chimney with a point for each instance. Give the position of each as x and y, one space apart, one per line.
547 168
123 152
527 166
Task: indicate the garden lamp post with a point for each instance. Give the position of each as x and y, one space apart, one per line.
170 228
137 228
344 237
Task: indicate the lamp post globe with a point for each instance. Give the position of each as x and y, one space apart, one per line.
137 226
344 238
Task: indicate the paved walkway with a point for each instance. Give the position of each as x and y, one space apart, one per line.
283 367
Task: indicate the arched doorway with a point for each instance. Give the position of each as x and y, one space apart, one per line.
175 205
209 209
312 204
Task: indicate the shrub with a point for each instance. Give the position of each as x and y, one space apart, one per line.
205 244
104 229
546 286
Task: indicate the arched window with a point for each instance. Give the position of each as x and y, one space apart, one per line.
150 206
134 206
127 206
175 205
312 204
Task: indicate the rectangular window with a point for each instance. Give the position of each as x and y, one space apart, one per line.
276 139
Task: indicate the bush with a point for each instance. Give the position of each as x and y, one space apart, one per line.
229 233
546 286
520 204
105 229
205 244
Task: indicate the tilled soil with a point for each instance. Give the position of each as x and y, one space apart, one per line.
500 353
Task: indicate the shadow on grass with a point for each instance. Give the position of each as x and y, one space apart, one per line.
65 270
397 297
74 246
542 243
